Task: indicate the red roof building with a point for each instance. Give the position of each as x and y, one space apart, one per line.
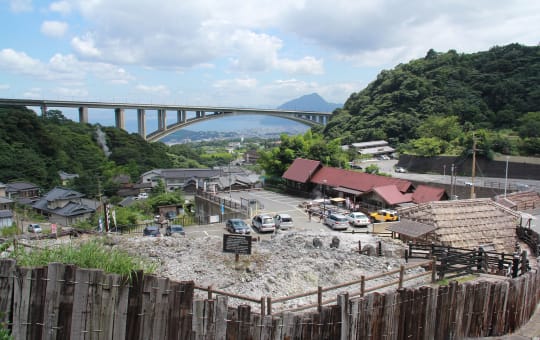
301 170
359 181
425 193
311 177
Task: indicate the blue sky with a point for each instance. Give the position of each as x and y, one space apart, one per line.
255 53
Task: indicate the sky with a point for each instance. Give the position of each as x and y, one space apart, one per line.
249 53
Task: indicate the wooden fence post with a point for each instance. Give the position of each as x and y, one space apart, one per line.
401 274
343 303
379 248
269 305
210 292
433 269
362 285
359 247
406 255
524 263
319 299
262 306
480 259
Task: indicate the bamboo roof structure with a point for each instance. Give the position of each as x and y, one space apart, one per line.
468 223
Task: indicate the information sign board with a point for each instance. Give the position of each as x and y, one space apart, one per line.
237 244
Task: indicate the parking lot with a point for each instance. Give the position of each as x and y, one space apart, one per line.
270 203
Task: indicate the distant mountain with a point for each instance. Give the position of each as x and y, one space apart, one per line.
310 102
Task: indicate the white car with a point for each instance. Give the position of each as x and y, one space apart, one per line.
283 221
263 223
336 221
358 219
34 228
400 169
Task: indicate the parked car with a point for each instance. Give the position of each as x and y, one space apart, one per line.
34 228
336 221
400 169
175 229
384 215
283 221
358 219
170 215
142 196
152 230
237 226
263 223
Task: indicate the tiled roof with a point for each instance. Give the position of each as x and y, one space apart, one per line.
411 228
391 195
468 223
6 214
521 200
426 193
355 180
301 170
17 186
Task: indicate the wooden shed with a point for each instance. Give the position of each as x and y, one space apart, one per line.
462 223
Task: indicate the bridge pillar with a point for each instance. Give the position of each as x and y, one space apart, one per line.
83 114
141 122
43 110
162 119
119 118
181 116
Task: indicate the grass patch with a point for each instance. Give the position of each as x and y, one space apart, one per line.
446 282
91 254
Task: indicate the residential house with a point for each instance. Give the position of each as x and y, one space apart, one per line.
459 223
187 180
373 148
2 190
63 206
6 203
66 178
22 192
6 218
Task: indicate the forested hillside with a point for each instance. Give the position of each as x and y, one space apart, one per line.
428 105
34 148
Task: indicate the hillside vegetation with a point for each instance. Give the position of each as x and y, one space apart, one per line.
35 148
432 105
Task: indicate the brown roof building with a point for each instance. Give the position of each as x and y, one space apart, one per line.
460 223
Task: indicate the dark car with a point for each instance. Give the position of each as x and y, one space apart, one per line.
151 230
170 215
237 226
175 229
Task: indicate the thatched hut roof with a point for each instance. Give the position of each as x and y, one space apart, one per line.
521 200
468 223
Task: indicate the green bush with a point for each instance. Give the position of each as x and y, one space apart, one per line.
92 254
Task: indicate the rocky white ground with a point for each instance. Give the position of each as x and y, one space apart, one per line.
286 264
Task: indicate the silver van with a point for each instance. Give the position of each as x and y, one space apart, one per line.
263 223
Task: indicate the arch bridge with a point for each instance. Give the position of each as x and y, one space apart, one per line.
185 115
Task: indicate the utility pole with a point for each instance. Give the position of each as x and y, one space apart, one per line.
473 195
506 177
452 182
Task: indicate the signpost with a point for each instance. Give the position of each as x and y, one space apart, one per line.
237 244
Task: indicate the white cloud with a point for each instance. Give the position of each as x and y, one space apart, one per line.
242 83
85 46
55 29
4 87
63 7
60 68
307 65
20 63
18 6
160 90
